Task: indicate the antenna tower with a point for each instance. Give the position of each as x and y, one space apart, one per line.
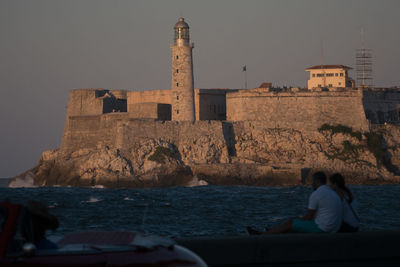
322 64
364 65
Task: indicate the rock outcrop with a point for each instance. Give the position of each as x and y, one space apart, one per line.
247 154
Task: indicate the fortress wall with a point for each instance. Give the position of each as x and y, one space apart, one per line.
116 129
298 110
84 102
382 105
210 104
91 131
155 111
171 131
95 101
115 101
149 96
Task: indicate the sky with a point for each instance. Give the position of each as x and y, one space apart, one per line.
48 47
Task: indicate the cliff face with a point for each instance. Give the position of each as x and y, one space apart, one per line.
166 154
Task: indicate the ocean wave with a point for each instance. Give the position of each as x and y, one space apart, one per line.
25 182
93 200
98 186
53 205
196 182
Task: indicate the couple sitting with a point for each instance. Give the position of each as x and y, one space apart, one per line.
329 210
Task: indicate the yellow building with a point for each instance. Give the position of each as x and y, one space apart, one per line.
329 76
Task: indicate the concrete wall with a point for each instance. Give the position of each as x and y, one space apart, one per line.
382 105
347 249
328 78
298 110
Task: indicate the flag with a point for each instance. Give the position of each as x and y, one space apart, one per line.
244 68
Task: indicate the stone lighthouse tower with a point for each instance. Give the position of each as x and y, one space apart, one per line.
182 74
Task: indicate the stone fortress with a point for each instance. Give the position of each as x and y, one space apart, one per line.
239 134
331 97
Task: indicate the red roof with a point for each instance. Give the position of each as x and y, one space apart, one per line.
316 67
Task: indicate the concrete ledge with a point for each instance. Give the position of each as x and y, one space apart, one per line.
359 249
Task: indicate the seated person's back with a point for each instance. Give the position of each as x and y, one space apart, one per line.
328 207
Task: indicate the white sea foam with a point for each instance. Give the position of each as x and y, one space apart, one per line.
128 198
196 182
52 206
98 186
26 181
93 200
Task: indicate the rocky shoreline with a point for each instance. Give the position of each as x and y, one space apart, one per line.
259 157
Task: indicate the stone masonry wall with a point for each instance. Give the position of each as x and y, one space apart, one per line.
134 131
210 104
84 102
118 131
155 111
298 110
382 105
182 95
154 96
91 131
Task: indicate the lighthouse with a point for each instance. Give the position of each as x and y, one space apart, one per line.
182 95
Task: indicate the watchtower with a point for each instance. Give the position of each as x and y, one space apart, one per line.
182 96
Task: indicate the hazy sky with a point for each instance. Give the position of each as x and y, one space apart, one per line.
49 47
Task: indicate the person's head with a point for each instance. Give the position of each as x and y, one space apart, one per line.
318 179
337 180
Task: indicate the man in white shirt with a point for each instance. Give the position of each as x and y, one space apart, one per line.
324 213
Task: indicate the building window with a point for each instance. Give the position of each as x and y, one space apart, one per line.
329 85
320 75
340 83
313 75
341 74
319 85
177 71
177 111
329 75
336 74
177 84
177 97
177 57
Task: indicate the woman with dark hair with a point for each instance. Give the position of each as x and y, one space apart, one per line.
351 222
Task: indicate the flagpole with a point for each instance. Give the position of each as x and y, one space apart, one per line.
245 79
244 69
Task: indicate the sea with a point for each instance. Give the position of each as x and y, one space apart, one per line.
196 211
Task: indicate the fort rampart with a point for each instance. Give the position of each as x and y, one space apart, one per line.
299 110
381 105
98 116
